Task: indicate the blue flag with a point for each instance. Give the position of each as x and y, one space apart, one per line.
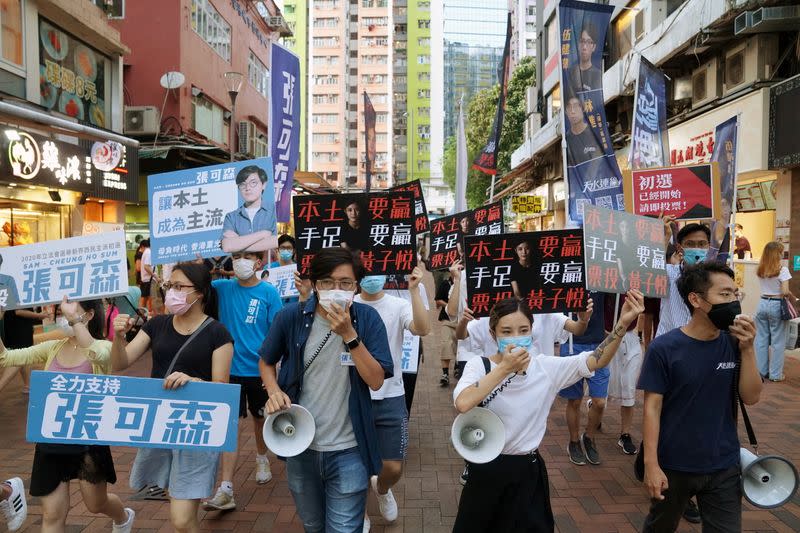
284 125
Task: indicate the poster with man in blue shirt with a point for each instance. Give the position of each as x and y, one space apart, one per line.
253 226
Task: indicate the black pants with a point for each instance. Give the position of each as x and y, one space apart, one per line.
509 494
410 382
719 498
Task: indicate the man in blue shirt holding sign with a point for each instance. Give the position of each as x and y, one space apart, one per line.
247 308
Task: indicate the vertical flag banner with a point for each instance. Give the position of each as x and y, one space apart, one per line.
421 222
545 268
284 124
486 161
724 153
593 176
212 211
623 252
447 233
649 135
80 268
370 138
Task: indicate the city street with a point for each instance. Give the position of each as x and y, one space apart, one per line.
599 499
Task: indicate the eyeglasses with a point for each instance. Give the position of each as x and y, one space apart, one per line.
177 286
587 42
249 184
343 284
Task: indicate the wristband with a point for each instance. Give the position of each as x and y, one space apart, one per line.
78 321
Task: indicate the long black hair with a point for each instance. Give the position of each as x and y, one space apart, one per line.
200 277
95 325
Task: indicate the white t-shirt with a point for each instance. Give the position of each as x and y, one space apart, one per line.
397 316
548 329
772 286
525 403
478 331
146 260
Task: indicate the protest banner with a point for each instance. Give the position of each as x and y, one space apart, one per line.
447 233
410 360
421 222
206 211
686 193
282 278
67 408
545 268
624 251
284 129
80 268
649 138
378 225
528 204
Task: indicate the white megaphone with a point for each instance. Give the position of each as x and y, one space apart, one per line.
478 435
768 481
290 432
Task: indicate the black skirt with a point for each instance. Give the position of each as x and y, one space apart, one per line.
509 494
93 464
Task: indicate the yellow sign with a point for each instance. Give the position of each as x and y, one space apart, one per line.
738 271
527 204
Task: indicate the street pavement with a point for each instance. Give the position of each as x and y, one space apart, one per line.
596 499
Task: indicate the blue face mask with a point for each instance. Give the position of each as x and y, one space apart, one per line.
373 284
286 255
692 256
523 341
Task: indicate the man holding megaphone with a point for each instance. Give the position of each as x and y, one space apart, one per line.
690 379
332 351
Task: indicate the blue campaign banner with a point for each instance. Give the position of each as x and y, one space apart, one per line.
724 154
212 211
593 176
649 138
285 125
67 408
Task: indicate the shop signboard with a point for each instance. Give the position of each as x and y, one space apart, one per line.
206 211
686 193
73 76
528 204
67 408
623 252
78 268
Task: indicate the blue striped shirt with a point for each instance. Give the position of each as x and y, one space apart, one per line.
674 313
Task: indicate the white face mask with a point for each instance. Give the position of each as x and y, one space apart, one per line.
339 297
244 268
63 325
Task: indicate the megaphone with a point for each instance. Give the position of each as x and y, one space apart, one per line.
478 435
768 481
290 432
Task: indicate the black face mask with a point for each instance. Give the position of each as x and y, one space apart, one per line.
723 315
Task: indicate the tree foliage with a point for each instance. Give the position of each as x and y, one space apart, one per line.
478 123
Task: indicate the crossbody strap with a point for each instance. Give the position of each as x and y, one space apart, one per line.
200 328
487 367
751 435
316 353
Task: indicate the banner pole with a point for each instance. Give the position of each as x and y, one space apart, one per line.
562 112
732 221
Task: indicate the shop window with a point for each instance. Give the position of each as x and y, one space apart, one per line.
11 44
32 222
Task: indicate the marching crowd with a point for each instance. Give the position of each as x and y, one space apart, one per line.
336 349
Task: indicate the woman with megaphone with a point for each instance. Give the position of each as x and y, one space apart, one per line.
511 493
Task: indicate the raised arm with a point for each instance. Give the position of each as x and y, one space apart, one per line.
455 294
461 328
421 323
750 384
578 327
602 356
124 354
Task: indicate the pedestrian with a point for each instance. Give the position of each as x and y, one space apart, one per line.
331 351
146 276
511 492
286 257
388 403
691 378
741 244
774 279
54 465
449 340
466 348
18 326
191 303
13 504
247 308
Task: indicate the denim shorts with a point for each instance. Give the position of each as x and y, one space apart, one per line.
391 424
188 475
598 384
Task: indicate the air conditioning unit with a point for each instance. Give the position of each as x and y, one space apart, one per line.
275 22
247 132
751 61
706 83
141 120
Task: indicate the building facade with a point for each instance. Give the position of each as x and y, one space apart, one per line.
523 29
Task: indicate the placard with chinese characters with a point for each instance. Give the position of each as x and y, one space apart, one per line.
80 268
545 268
67 408
686 193
282 278
378 225
211 211
528 204
410 359
421 222
623 252
447 233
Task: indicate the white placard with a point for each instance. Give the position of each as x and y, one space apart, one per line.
282 278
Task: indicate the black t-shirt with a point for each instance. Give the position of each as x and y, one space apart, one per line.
18 330
586 80
355 239
224 263
524 276
443 294
582 147
195 360
595 331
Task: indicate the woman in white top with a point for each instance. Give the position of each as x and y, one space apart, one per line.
770 327
511 492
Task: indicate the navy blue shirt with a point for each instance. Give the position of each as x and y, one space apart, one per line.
595 331
286 342
696 378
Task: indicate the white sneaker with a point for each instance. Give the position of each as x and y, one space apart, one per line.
386 502
222 501
367 524
263 472
127 526
15 508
